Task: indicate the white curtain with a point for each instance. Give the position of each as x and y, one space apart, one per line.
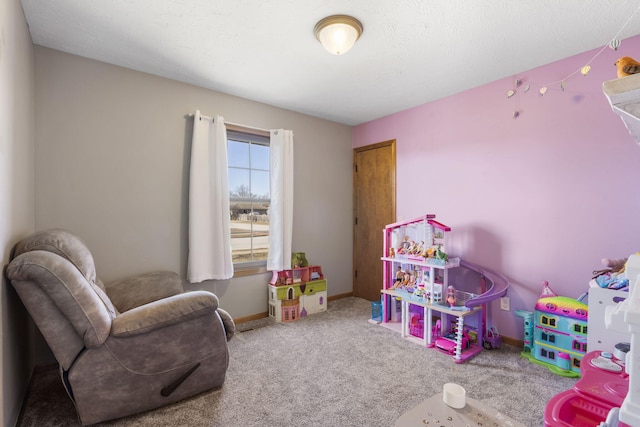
209 222
281 208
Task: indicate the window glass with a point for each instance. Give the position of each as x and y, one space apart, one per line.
238 153
249 198
260 184
260 157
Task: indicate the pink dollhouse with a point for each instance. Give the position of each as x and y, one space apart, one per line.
416 275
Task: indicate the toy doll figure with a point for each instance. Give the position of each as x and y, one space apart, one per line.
404 246
429 252
399 277
440 254
299 259
451 295
405 279
392 253
412 279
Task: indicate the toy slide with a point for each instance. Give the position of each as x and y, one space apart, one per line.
498 285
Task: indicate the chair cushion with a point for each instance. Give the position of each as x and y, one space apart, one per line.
71 293
72 248
62 243
134 291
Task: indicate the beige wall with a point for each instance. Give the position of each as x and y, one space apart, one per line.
17 212
112 148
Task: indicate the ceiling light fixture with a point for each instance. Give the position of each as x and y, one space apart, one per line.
338 33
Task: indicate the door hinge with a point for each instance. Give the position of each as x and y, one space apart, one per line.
356 219
356 273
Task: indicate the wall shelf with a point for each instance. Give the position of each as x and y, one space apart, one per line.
624 96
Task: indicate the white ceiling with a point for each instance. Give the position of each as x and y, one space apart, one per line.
411 51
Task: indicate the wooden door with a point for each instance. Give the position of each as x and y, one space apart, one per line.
374 193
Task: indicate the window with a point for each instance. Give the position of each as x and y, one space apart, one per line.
580 329
249 198
547 354
579 346
548 337
548 321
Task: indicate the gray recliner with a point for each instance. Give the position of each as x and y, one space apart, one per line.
124 347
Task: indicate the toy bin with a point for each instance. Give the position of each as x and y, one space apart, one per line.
376 311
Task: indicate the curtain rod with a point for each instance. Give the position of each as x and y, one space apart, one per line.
234 124
247 127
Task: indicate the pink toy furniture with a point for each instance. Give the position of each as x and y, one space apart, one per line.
608 395
603 386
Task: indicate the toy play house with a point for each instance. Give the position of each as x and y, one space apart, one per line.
416 287
297 293
559 331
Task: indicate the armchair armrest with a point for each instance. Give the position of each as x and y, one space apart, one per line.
162 313
228 323
178 331
131 292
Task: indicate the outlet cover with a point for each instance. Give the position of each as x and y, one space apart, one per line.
505 303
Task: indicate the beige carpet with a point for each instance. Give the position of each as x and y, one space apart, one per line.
329 369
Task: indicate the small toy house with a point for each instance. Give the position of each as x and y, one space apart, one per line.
297 293
559 333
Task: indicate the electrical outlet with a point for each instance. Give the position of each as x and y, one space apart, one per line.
505 303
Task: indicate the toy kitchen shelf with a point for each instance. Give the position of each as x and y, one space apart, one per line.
415 276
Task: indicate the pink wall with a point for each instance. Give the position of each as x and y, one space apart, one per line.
542 197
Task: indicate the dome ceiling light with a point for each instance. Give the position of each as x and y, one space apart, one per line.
338 33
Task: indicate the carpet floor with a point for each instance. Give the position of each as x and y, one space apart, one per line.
328 369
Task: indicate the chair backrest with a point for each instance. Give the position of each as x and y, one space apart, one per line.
55 276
